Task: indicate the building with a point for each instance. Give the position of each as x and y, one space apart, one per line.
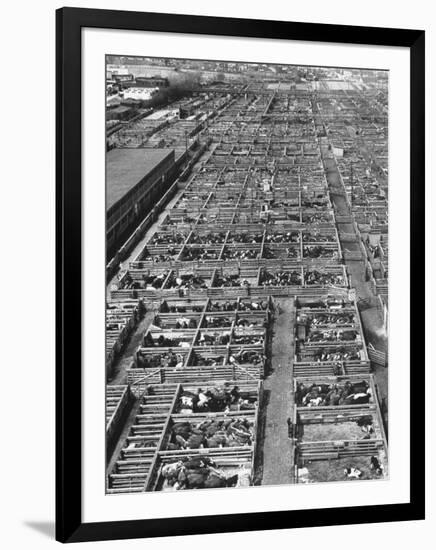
133 103
135 180
122 81
151 82
121 78
141 94
121 112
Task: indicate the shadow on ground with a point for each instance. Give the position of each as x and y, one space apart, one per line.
46 528
258 464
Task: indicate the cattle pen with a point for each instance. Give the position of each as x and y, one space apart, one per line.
236 343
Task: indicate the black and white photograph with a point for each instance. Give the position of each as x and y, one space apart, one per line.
247 272
216 226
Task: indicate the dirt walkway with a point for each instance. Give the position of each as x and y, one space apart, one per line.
277 447
372 320
124 360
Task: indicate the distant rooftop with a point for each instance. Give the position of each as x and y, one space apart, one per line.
120 109
127 167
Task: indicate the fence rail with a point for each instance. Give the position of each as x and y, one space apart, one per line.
377 357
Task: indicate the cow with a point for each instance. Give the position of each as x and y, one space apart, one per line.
352 473
376 465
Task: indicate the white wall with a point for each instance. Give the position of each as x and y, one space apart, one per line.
27 363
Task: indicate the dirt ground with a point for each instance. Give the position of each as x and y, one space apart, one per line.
276 449
332 432
333 470
126 357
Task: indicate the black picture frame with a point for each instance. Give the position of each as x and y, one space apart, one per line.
69 23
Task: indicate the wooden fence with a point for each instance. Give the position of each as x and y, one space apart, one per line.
378 358
328 450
